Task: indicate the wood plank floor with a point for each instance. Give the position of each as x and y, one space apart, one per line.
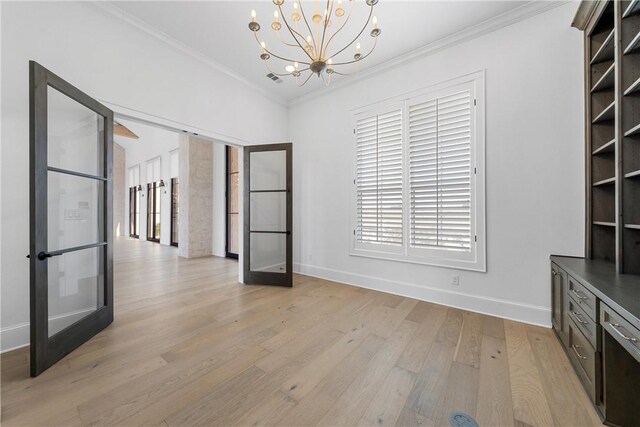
191 346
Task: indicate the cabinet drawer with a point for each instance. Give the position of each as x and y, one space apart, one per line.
623 332
583 297
583 358
583 322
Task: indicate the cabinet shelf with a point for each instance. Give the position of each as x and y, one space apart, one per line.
633 45
608 181
606 81
606 114
632 226
633 131
633 174
633 8
606 148
606 51
604 223
634 87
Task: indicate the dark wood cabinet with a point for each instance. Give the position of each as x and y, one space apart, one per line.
599 319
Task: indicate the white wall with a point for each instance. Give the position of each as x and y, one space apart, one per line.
116 63
153 142
534 169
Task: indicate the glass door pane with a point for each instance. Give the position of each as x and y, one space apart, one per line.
75 211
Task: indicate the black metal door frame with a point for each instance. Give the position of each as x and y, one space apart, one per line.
175 207
152 189
227 210
134 211
262 277
45 350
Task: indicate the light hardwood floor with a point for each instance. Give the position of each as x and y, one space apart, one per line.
191 346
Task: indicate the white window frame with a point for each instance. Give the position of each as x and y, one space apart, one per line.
475 259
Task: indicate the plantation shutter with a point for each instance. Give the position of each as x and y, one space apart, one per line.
378 183
440 172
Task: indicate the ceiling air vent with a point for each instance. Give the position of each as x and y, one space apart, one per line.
274 78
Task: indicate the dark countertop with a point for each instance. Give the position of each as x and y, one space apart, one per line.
621 292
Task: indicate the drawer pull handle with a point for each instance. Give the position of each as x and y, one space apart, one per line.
578 318
553 272
575 350
615 327
579 294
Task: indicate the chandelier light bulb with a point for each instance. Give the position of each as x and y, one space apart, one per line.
253 16
295 65
339 9
295 15
357 47
375 22
290 68
264 46
275 24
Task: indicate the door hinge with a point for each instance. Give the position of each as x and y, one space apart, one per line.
354 131
475 171
475 238
474 102
354 232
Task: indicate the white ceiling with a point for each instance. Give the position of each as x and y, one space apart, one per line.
218 30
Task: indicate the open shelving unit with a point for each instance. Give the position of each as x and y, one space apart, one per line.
613 136
602 71
629 156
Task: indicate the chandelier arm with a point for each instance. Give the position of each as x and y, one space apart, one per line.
342 74
292 31
277 56
324 27
313 39
284 42
266 63
327 81
339 29
375 42
305 81
356 38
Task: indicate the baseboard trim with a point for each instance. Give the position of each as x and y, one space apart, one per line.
511 310
17 336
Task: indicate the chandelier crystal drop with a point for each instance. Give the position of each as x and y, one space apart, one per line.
309 40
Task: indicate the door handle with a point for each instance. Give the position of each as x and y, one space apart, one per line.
44 255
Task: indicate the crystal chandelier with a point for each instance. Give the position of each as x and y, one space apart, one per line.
312 39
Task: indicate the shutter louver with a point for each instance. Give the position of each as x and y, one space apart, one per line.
379 179
440 172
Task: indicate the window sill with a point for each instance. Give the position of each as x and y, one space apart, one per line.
479 266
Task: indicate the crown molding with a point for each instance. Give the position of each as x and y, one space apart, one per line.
511 17
126 17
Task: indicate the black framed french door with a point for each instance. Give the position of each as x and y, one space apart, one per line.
153 210
71 224
268 215
134 212
175 208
